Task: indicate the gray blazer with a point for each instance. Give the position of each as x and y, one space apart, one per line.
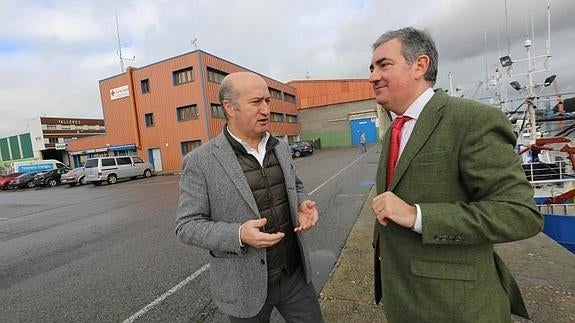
215 199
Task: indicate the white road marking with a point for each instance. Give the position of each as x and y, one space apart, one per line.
206 266
341 171
3 219
166 294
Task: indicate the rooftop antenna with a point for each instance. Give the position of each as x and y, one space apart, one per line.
120 48
194 42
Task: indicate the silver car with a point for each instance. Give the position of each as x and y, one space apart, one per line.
73 177
110 169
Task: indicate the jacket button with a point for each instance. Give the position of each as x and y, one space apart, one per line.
263 262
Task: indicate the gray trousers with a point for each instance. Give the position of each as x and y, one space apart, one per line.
293 297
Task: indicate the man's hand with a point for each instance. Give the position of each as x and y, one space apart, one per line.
389 207
307 216
250 234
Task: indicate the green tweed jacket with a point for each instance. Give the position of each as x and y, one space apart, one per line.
459 165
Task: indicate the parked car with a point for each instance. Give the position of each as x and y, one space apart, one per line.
5 180
50 178
110 169
73 177
301 148
23 181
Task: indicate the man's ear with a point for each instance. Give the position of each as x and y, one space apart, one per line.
421 65
228 107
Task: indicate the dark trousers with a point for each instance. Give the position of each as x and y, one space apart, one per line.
295 299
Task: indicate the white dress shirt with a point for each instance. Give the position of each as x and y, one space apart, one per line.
413 111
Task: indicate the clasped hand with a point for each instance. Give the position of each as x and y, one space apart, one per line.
251 234
389 207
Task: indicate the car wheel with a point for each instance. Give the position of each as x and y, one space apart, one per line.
147 173
52 182
112 179
297 154
30 184
82 180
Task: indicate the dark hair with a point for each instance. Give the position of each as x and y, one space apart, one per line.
414 43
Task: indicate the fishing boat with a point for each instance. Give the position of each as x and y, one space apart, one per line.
547 151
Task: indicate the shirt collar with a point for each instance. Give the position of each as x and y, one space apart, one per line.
261 145
414 110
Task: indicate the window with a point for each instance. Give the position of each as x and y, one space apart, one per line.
149 118
145 86
183 76
108 162
218 111
137 160
276 94
188 146
215 75
289 97
188 112
276 117
124 161
291 118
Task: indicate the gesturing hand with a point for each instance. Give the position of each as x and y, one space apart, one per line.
307 216
250 234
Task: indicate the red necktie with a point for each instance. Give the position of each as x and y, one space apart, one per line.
394 141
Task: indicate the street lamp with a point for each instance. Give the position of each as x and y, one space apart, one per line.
505 61
516 85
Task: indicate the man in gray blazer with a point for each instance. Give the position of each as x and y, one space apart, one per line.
241 199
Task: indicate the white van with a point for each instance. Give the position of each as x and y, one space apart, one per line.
110 169
28 166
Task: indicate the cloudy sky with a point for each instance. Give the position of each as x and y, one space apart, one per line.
54 52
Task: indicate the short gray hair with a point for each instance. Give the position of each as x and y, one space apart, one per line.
227 91
414 43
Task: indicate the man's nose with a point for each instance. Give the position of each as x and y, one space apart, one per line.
265 108
374 76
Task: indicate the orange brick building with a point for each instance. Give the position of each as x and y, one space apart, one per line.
162 111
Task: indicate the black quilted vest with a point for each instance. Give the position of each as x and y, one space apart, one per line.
268 188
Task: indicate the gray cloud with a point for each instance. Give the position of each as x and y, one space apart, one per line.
53 53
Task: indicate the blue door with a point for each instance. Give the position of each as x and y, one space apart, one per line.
365 125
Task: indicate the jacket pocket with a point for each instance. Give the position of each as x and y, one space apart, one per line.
442 285
444 270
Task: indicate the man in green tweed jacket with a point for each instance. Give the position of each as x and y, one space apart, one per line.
457 189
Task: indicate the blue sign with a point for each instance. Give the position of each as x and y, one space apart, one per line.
35 168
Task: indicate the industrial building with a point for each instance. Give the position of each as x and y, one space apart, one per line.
336 112
47 138
162 111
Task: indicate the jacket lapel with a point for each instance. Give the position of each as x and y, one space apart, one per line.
426 123
227 158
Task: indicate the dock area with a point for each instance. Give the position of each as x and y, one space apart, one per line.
544 270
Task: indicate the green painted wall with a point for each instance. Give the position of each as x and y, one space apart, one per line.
330 139
4 150
15 147
26 144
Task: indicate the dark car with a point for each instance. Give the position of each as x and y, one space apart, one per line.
301 148
50 178
5 180
23 180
